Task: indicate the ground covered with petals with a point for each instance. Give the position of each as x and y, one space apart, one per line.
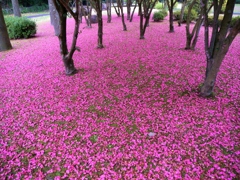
132 111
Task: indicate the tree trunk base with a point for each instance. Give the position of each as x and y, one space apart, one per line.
142 37
207 90
100 46
71 71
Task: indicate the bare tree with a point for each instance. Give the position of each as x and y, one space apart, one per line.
62 7
192 37
97 5
171 4
119 4
145 10
117 9
4 38
16 8
220 41
136 3
184 3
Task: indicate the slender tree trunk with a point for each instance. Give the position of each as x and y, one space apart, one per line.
131 18
129 3
16 8
148 6
100 24
122 15
89 9
4 38
109 15
81 12
117 10
141 20
182 12
171 4
171 27
62 8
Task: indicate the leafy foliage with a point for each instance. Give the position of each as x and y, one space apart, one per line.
158 6
193 15
159 15
20 27
234 20
35 8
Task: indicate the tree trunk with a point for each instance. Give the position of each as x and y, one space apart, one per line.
109 15
133 12
4 38
62 8
54 17
89 15
129 3
117 10
68 61
122 15
182 12
100 24
221 40
148 6
141 21
16 8
171 27
171 4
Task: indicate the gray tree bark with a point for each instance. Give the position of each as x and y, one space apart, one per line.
171 4
62 8
16 8
221 39
4 38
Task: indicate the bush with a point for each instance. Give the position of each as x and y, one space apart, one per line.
193 15
223 6
19 27
210 20
159 15
220 18
237 1
234 20
35 8
158 6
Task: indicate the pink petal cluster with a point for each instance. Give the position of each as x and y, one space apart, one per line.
132 111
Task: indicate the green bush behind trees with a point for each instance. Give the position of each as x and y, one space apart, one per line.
159 15
193 15
20 27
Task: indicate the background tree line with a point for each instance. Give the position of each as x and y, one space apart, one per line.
24 3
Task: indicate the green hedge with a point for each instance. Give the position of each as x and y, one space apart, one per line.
159 15
220 18
35 8
193 15
19 27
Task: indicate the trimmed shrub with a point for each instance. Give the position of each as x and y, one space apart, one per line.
19 27
159 15
193 15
